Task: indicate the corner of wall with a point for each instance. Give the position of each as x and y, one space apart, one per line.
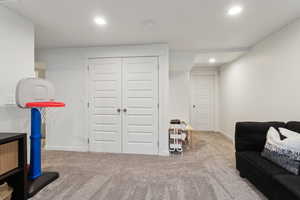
164 153
228 136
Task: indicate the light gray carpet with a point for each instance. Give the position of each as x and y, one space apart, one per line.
206 172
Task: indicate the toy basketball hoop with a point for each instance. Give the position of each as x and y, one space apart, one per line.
45 104
37 94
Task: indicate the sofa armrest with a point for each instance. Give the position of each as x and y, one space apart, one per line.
251 136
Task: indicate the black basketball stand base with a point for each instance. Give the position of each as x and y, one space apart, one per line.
34 186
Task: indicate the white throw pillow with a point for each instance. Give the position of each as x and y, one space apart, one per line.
292 143
273 136
285 153
288 133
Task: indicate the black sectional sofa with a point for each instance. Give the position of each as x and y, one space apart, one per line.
273 181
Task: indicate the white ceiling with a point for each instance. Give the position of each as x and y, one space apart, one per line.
201 60
183 24
187 60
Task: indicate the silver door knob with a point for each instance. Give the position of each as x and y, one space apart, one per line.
124 110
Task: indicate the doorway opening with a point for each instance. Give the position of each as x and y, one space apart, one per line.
203 101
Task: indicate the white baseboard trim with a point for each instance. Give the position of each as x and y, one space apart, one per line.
164 153
227 136
67 148
85 149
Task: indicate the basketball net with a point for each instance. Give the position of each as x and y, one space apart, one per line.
48 115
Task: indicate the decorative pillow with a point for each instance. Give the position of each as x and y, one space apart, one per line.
273 135
285 153
288 133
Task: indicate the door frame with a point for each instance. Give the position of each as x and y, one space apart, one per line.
156 136
215 112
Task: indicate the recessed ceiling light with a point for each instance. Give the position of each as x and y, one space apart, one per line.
100 21
235 10
212 60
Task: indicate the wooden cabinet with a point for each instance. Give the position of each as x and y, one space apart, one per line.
9 154
13 163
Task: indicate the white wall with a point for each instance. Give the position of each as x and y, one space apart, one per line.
67 68
182 60
180 95
181 63
16 62
264 84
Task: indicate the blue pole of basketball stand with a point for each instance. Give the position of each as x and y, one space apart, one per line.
35 169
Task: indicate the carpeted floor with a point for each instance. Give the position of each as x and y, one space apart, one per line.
206 172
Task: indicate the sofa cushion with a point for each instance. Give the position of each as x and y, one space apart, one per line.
258 171
251 136
289 185
263 165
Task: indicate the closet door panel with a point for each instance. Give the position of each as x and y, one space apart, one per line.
105 76
140 99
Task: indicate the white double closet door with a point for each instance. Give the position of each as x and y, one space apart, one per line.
123 112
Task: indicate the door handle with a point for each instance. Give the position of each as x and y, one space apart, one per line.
118 110
194 106
125 110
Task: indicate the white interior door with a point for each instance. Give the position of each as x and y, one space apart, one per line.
140 99
203 101
124 105
105 99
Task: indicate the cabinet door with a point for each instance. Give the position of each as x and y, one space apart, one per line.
105 77
140 105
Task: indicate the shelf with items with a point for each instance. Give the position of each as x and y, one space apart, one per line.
13 159
180 134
